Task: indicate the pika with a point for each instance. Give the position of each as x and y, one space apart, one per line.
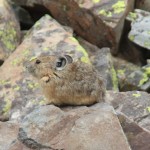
67 82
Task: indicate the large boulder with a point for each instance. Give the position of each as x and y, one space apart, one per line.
83 128
18 90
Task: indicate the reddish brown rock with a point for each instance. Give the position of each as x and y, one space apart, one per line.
9 30
143 4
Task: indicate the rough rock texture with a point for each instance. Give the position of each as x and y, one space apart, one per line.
103 63
82 128
9 30
138 137
87 17
18 90
132 77
8 133
134 105
140 29
143 4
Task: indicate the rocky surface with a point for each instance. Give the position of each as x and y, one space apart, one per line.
134 105
137 136
132 77
73 128
8 133
9 30
140 28
101 23
144 4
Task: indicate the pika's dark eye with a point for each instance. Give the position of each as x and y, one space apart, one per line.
60 64
38 61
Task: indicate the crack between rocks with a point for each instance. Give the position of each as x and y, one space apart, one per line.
139 119
30 143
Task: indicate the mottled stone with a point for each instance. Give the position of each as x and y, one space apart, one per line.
8 134
82 128
135 105
9 30
138 137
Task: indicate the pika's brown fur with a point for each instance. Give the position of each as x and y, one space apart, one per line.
66 82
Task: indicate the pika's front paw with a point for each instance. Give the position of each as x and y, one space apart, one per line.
45 79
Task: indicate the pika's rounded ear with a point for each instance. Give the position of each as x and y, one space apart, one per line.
68 58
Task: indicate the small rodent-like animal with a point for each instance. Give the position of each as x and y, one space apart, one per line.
67 82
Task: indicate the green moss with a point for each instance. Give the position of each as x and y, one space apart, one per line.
16 61
16 88
33 85
114 79
147 71
85 57
147 44
133 16
37 24
4 82
7 106
96 1
42 102
26 52
131 37
119 7
121 71
136 95
73 39
45 49
148 32
32 58
8 37
143 80
105 13
148 109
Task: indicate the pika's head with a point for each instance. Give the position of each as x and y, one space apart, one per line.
49 66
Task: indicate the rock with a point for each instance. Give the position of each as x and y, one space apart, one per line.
131 77
18 89
84 23
137 136
73 128
8 133
140 28
9 30
23 16
88 22
103 63
17 145
144 4
133 104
